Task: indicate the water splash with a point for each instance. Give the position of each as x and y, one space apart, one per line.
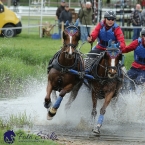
129 108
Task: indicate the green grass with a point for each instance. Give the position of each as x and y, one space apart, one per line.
18 120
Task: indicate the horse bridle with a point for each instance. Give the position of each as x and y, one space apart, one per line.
106 67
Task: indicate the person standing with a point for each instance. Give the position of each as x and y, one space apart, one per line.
136 21
143 4
83 5
58 12
65 15
85 16
143 17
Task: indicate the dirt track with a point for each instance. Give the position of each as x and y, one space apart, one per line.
67 141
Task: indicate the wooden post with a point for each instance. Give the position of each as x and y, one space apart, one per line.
9 3
62 29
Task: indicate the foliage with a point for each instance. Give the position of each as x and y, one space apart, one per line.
18 120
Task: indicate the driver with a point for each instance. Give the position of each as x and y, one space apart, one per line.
107 30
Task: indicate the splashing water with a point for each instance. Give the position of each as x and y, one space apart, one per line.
128 108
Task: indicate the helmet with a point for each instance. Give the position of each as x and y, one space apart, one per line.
143 31
109 14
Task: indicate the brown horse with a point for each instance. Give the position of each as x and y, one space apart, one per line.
106 70
60 76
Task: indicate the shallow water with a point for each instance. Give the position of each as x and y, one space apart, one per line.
124 118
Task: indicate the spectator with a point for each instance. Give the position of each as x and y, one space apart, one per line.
65 15
108 1
136 21
82 6
86 19
143 4
58 12
137 71
143 17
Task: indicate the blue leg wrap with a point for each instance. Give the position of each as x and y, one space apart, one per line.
100 119
57 103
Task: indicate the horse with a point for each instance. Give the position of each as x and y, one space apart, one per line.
60 76
107 80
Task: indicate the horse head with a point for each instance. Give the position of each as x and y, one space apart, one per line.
71 36
113 55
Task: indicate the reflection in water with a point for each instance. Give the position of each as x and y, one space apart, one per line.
124 118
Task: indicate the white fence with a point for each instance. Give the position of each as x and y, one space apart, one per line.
35 10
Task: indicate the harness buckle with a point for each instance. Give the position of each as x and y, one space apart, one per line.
81 75
64 70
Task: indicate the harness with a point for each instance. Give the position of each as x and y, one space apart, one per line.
64 69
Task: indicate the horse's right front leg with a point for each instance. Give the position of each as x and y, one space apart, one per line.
47 102
108 98
94 111
94 101
56 105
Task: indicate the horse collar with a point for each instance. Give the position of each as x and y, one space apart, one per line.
62 68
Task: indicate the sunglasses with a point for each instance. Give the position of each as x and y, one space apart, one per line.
112 19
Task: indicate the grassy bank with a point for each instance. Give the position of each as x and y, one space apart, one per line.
22 58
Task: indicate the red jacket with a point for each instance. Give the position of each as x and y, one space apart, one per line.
117 32
132 46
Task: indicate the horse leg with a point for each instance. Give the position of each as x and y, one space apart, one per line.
52 111
54 95
94 101
73 95
102 112
47 102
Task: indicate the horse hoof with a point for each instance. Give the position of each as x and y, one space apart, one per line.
51 113
96 130
47 104
49 117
